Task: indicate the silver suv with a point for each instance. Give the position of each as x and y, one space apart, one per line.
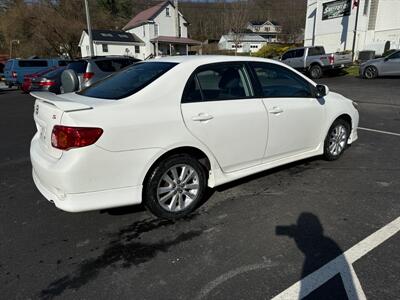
86 71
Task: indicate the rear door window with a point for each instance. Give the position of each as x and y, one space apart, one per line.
218 82
33 63
288 55
127 82
299 53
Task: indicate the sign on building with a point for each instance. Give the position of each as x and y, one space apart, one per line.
336 9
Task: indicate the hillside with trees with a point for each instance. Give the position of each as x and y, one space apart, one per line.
48 27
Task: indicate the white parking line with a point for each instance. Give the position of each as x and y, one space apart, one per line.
379 131
342 265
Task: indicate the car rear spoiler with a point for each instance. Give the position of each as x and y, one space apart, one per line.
62 103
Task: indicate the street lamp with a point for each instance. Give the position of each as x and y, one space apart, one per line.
11 45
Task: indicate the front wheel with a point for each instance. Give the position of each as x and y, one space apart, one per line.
336 140
175 187
370 72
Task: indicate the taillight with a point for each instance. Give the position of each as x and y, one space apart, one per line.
65 137
88 75
14 74
47 83
331 59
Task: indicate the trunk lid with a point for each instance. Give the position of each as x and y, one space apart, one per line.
48 111
342 58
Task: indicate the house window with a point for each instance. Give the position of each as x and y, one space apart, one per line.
144 30
366 4
155 29
167 12
105 47
137 49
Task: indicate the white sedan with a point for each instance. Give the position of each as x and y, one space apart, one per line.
162 131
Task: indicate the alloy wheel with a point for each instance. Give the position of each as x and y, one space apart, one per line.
337 140
370 72
178 188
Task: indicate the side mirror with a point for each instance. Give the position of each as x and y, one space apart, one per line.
321 90
386 59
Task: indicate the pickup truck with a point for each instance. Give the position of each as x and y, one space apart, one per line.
314 61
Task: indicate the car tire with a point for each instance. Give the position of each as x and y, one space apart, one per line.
370 72
315 71
336 140
175 187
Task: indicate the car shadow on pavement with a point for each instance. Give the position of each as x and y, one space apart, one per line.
123 251
318 250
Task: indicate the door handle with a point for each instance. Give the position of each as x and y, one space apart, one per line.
202 117
276 110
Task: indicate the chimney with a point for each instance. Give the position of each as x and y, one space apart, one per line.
176 18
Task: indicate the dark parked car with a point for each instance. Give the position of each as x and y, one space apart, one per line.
385 66
86 71
16 69
50 81
27 83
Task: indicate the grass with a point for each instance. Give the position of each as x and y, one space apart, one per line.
352 71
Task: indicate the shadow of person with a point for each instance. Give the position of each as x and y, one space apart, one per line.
319 250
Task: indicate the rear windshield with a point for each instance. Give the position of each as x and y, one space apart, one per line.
63 63
128 81
316 51
78 66
114 65
32 63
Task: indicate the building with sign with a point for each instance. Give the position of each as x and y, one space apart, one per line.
332 25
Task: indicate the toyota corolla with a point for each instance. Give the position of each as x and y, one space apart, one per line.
160 132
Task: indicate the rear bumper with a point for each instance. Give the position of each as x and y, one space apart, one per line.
80 202
337 66
90 178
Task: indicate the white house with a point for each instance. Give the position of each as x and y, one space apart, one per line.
264 27
253 38
332 23
163 29
111 42
241 43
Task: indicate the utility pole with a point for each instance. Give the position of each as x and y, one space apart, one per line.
355 30
177 25
89 28
11 45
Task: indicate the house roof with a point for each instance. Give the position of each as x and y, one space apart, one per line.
259 23
146 15
175 40
114 36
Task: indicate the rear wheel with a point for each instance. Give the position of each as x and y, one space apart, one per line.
336 140
315 72
175 187
370 72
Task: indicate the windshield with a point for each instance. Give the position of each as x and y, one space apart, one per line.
127 81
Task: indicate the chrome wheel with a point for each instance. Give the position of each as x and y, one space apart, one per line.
178 188
337 140
370 73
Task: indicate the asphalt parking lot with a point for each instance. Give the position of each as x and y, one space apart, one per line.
252 239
